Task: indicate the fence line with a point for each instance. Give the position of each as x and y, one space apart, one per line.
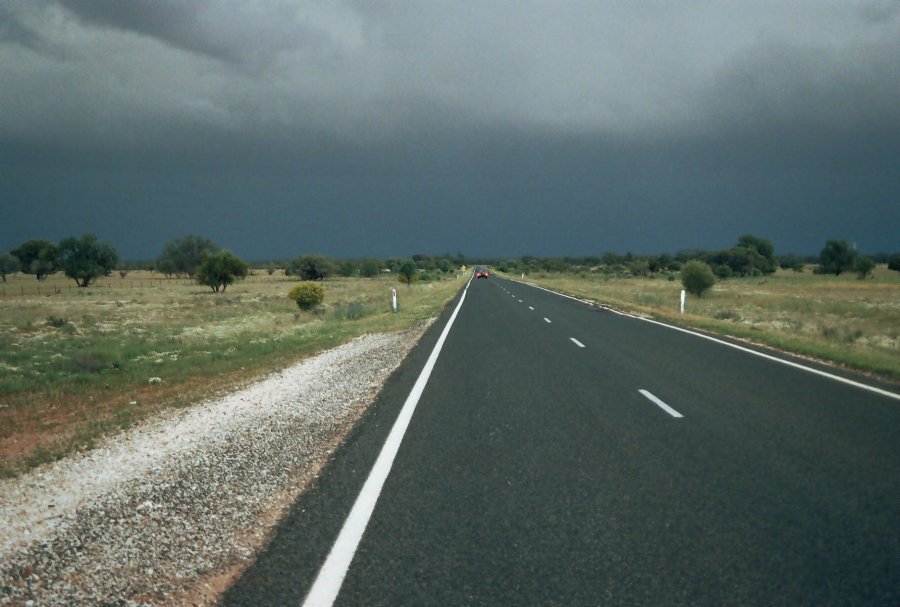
39 288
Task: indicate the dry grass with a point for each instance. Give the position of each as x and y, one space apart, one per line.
843 320
76 364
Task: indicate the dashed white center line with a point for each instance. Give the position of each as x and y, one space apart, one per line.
531 307
661 404
520 301
576 342
547 320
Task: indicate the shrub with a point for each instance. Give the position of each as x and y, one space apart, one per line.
9 264
184 255
836 257
347 268
791 262
863 266
219 270
370 267
310 267
894 262
724 272
307 295
408 272
57 321
697 277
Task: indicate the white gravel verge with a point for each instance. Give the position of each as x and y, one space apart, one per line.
151 510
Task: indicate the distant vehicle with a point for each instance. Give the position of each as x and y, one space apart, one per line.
482 274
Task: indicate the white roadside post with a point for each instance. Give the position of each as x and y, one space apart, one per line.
682 300
394 299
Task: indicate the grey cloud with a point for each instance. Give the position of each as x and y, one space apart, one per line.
173 22
235 32
364 71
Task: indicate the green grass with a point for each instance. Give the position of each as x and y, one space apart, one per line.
76 364
842 320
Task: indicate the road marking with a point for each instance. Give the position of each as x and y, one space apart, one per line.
661 404
328 582
843 380
531 307
547 320
576 342
520 301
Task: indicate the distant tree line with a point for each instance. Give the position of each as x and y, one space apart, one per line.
85 259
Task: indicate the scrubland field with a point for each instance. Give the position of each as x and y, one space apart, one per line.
840 319
76 364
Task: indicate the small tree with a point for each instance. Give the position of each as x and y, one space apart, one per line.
836 257
310 267
765 250
167 267
863 267
38 257
219 270
370 267
723 272
9 264
347 268
185 254
697 277
894 262
86 259
791 262
307 295
407 272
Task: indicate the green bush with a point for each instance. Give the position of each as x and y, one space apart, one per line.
836 257
370 267
307 295
724 272
894 262
311 267
219 270
408 273
697 277
863 267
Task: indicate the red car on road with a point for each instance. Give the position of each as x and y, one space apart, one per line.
482 274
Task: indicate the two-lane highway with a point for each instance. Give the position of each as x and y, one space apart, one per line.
565 455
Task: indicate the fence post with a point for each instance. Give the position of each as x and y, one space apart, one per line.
682 301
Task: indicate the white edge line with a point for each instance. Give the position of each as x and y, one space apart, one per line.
661 404
789 363
576 342
328 582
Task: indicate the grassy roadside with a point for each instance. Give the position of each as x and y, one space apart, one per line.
842 320
77 364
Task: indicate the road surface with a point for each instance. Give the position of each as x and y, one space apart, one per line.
561 454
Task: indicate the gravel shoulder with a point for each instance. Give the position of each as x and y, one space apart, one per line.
173 509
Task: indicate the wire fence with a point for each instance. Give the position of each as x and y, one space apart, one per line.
32 287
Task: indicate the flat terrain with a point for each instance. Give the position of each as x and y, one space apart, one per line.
535 471
78 364
840 319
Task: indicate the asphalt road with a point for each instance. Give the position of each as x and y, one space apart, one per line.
535 471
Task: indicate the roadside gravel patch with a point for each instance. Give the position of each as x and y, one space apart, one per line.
143 517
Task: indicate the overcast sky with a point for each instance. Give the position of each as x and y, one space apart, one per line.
495 128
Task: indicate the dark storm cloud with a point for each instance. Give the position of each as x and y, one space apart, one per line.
641 125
